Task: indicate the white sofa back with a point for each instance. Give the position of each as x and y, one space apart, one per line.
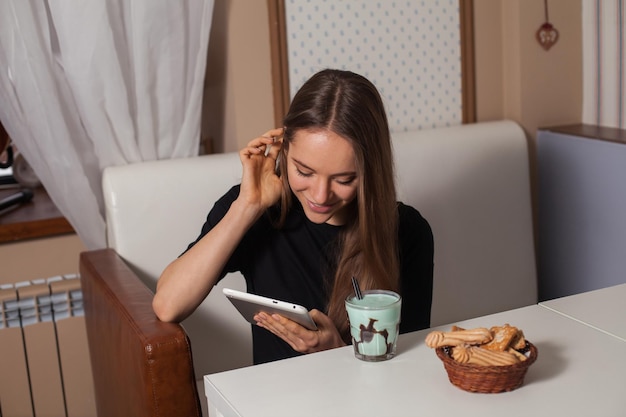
470 182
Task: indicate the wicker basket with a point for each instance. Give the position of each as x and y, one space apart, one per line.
487 379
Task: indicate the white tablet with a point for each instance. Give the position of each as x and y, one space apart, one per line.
250 304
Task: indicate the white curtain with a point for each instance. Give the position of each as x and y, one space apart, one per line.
604 63
92 83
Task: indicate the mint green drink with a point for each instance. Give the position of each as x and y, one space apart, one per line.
374 324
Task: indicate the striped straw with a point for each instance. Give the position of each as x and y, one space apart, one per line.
357 289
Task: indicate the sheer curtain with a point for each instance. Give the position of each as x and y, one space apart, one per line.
93 83
604 63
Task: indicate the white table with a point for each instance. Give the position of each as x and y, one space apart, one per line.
579 372
603 309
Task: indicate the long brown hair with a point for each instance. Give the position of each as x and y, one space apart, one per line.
349 105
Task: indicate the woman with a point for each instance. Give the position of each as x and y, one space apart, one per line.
315 207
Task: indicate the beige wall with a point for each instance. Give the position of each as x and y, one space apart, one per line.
489 52
238 89
515 78
39 258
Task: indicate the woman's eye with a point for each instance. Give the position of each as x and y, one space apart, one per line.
303 174
346 181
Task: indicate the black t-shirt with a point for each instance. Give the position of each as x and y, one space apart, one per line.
294 264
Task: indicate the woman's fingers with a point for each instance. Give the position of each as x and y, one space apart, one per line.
274 133
274 148
299 338
267 138
264 144
291 332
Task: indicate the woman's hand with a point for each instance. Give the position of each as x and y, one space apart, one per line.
299 338
260 186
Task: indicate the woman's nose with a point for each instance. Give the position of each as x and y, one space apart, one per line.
321 191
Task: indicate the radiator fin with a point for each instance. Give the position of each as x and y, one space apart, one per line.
44 348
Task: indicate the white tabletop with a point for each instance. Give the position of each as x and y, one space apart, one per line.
603 309
579 372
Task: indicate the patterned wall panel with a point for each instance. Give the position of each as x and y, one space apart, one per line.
409 49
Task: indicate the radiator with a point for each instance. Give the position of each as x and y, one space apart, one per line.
44 356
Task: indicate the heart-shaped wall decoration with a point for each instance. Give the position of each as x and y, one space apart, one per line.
547 35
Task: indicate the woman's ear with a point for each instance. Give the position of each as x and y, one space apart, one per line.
277 169
281 154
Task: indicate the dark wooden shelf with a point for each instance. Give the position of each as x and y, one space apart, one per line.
35 219
607 134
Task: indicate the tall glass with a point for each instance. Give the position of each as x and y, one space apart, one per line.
374 324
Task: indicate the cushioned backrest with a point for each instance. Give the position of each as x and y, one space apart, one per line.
153 210
472 184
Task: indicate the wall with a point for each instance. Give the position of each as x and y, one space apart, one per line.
238 100
409 50
488 52
39 258
515 78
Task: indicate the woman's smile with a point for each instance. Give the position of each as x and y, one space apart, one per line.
320 208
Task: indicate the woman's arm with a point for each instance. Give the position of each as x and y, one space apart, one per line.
187 280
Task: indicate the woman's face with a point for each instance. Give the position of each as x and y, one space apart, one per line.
322 174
